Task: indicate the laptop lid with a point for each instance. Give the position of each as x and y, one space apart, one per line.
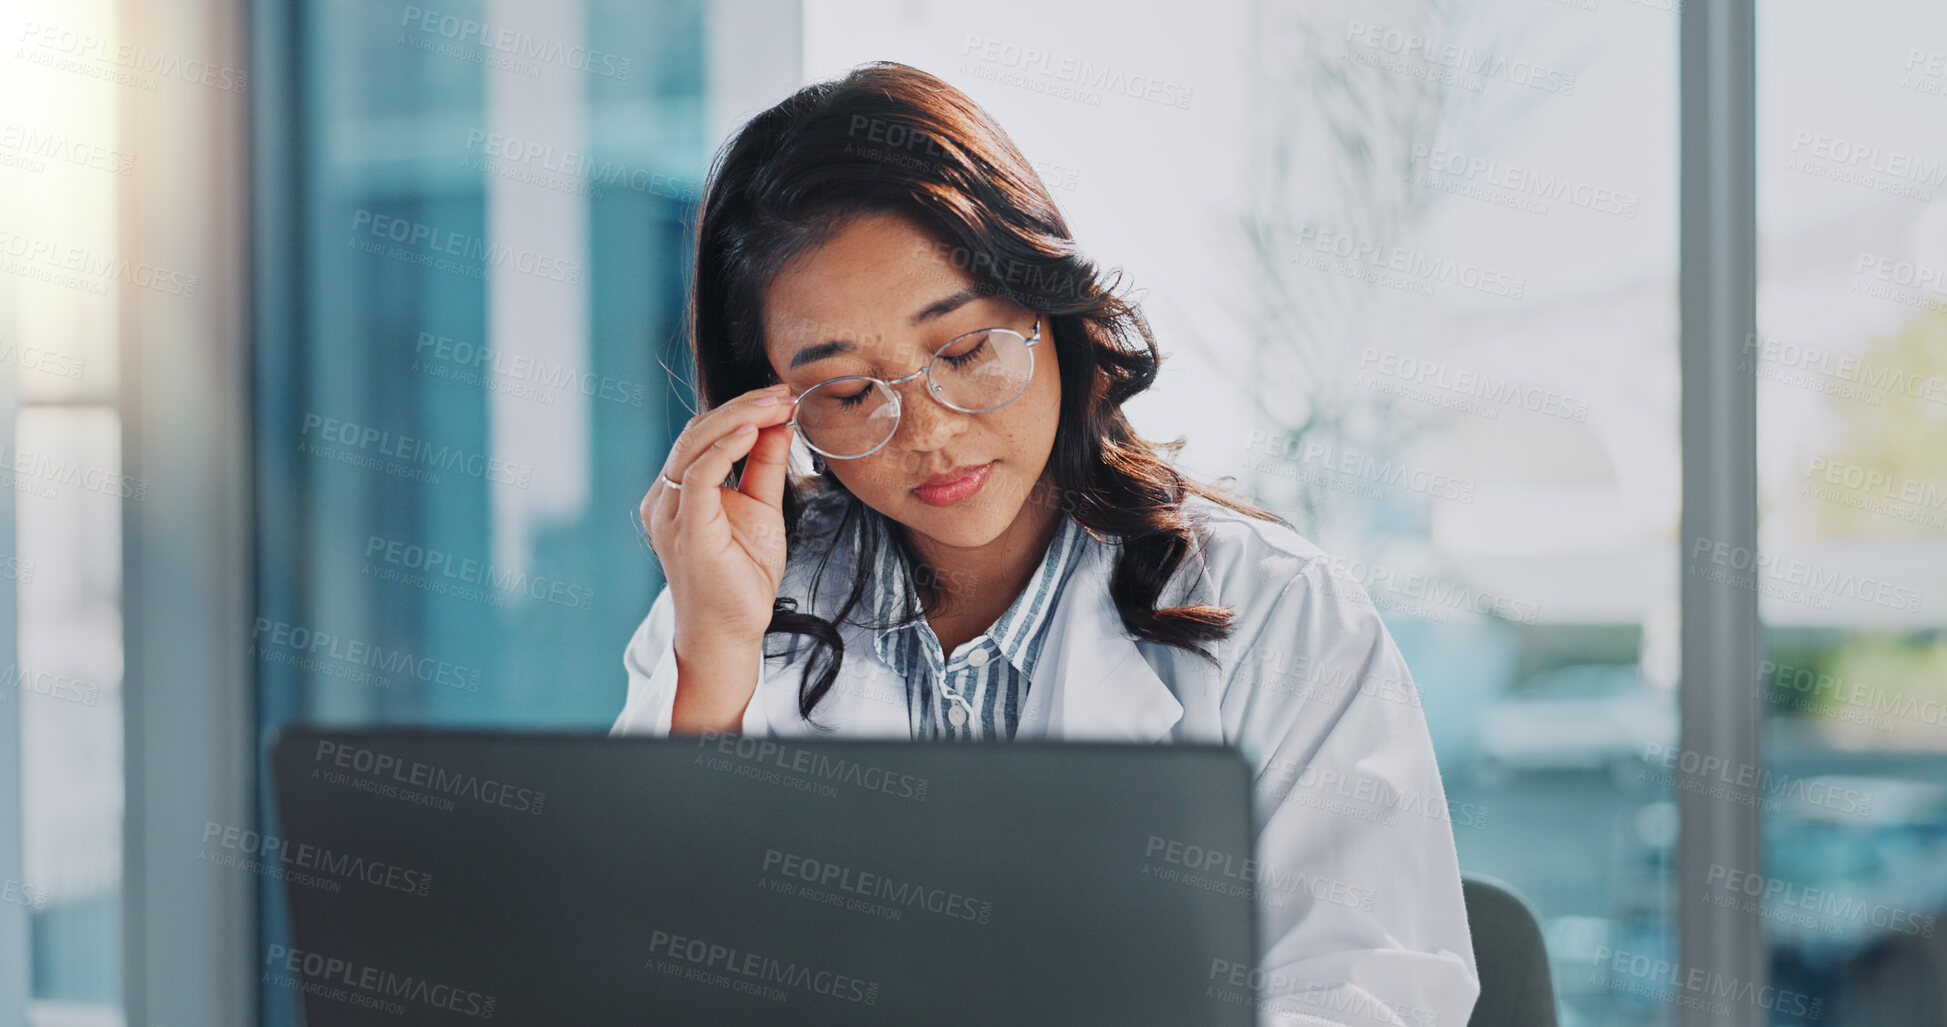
459 877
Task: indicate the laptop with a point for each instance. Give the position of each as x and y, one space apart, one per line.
456 877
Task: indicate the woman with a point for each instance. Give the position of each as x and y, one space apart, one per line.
987 550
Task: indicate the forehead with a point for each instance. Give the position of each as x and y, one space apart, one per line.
864 283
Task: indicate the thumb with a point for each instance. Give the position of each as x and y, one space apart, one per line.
763 477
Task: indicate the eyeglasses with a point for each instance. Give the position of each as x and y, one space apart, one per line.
853 416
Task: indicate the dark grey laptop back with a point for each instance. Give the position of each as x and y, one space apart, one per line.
461 878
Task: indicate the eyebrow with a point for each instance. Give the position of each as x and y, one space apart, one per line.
937 309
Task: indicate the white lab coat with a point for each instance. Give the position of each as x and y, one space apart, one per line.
1359 889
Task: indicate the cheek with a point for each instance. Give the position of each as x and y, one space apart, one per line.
1045 414
880 474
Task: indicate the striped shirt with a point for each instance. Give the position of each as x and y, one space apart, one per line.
990 671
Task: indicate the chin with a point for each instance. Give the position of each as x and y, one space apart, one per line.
955 527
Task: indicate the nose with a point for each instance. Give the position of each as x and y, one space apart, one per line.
925 423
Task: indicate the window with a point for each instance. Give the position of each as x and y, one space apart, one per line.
63 490
1851 360
487 252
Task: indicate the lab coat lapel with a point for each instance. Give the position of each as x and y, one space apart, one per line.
867 699
1091 682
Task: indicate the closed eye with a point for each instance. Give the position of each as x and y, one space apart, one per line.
968 357
856 398
959 360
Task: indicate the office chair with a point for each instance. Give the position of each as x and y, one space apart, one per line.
1517 989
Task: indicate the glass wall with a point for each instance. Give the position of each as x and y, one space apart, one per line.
1851 360
486 262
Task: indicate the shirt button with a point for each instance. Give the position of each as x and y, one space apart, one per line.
977 658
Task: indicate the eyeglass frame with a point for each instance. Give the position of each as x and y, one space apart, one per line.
933 389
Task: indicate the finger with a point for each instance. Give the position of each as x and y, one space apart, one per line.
658 507
719 422
651 502
701 502
763 478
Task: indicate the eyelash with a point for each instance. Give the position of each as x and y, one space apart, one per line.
957 361
963 359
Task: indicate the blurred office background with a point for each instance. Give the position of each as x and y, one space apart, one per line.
338 340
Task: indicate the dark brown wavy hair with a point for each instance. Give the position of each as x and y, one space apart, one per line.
888 138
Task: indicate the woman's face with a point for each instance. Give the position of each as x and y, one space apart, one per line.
888 293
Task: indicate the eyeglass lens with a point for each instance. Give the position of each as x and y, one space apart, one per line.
978 372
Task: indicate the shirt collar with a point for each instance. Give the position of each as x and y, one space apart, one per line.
1095 682
1019 632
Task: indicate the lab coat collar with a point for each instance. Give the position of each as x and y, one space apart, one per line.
1090 683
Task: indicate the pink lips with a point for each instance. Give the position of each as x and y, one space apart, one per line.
953 490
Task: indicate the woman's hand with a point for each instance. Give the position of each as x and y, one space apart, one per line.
722 549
